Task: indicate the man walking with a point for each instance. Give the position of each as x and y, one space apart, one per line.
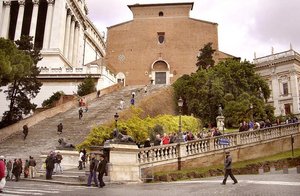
228 167
25 131
59 128
58 159
101 169
32 164
80 112
93 171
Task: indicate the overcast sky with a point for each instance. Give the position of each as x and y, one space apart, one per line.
244 26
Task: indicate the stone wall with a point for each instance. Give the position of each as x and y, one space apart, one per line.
36 118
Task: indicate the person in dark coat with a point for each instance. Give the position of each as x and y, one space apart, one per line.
50 160
25 131
17 169
60 128
228 167
101 169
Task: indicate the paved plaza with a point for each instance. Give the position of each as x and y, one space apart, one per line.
268 184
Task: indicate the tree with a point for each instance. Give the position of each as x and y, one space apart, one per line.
234 85
205 59
86 87
7 52
24 85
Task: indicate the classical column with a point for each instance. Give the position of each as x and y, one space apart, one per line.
295 90
71 42
48 24
5 20
20 19
58 26
67 34
276 94
76 40
34 18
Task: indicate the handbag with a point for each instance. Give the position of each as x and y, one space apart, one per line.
2 183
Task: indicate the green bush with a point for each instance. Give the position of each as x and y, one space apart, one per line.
55 97
140 129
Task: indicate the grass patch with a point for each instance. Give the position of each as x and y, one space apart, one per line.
217 169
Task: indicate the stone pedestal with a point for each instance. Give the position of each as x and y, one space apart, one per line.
123 163
70 158
220 122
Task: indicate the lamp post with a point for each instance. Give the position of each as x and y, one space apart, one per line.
116 116
179 137
251 108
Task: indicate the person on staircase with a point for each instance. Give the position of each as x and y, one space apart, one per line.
80 112
59 128
25 131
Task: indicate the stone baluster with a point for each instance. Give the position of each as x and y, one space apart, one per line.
48 24
34 18
5 19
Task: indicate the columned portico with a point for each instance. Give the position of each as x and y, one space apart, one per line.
20 19
48 24
5 20
34 18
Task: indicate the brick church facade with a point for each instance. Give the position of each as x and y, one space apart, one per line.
160 44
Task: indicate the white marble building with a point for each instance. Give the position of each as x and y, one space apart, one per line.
71 46
282 72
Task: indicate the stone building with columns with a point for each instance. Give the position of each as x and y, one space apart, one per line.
71 46
282 72
160 43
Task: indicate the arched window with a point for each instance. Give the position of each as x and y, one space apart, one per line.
161 37
160 14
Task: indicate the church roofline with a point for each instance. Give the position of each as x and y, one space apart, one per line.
161 4
119 24
214 23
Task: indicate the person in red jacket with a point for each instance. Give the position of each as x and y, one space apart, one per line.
2 173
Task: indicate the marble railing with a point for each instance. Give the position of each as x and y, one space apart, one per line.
276 56
172 152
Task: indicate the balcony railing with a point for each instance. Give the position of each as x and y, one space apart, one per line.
173 152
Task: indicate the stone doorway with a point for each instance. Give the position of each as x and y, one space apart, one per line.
160 78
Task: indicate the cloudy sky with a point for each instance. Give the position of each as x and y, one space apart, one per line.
244 27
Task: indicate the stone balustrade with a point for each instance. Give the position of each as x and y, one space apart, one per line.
272 57
164 154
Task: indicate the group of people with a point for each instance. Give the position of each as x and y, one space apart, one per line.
53 164
14 169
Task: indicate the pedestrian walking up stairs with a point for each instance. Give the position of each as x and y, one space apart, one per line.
43 136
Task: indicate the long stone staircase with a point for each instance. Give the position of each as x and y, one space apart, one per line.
43 136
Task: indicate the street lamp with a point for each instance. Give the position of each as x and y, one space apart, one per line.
180 104
116 116
251 108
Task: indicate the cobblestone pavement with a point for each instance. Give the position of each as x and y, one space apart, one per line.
256 185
